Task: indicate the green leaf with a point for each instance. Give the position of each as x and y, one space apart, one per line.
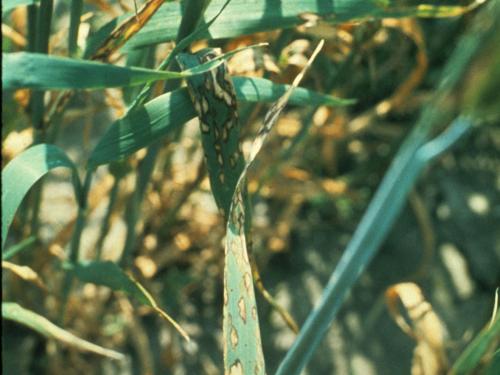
44 72
242 17
155 119
472 355
24 245
263 90
13 311
24 171
107 273
11 4
492 367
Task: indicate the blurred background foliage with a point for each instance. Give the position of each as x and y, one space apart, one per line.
310 187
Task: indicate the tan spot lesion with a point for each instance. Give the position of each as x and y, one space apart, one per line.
242 309
254 313
236 368
257 369
232 161
204 127
225 134
247 281
197 106
234 337
220 160
204 105
208 85
225 293
221 177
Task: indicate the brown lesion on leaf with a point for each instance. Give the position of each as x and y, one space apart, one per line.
226 297
234 337
247 281
204 127
257 369
236 368
242 309
254 313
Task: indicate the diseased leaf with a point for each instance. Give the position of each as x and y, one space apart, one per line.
24 171
109 274
242 343
13 311
126 30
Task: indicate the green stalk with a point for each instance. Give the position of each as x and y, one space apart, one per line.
74 26
32 17
74 248
43 25
132 213
37 105
24 212
107 217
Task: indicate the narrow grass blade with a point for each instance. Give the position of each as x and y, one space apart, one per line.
169 111
108 274
471 357
39 71
371 231
13 311
18 248
477 350
24 171
242 344
263 90
74 25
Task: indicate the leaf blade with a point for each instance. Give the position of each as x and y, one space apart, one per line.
24 171
169 111
13 311
109 274
45 72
